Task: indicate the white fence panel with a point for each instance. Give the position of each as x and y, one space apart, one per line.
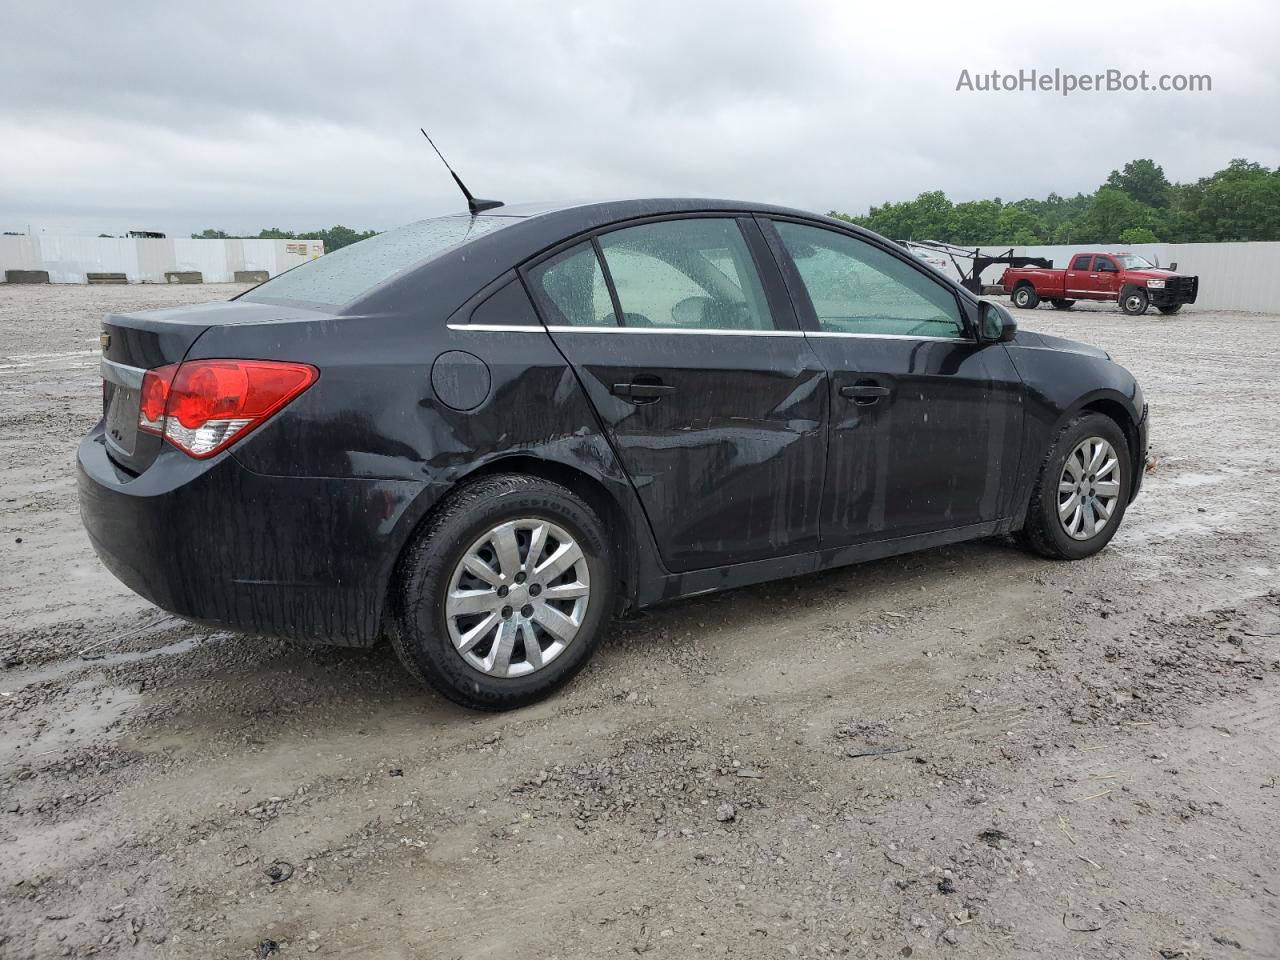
69 259
210 258
19 253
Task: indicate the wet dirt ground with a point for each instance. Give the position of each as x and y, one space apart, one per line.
968 752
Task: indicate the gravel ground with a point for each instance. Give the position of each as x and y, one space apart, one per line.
968 752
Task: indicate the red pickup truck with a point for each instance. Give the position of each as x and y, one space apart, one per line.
1125 277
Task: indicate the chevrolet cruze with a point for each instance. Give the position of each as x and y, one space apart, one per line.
483 436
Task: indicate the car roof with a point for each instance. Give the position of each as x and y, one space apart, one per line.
637 205
626 208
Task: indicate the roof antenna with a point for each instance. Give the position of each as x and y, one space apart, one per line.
474 205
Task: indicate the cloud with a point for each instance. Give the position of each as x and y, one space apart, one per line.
181 116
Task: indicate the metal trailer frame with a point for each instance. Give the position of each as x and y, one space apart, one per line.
971 277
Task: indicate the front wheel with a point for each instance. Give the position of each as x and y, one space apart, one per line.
1134 302
1172 309
1026 298
1063 304
505 593
1082 491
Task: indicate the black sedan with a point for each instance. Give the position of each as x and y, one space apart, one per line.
483 436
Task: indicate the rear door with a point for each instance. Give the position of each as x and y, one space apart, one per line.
1081 281
926 423
708 390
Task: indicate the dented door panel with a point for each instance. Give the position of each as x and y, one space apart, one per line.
938 450
729 464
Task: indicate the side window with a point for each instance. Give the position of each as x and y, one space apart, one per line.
1104 265
858 288
571 286
1081 263
686 274
507 306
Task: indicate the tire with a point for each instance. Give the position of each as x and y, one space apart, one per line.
1134 301
1168 311
428 634
1063 304
1044 531
1025 297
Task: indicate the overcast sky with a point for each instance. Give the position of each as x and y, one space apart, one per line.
179 116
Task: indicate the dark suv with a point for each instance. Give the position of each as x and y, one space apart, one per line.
483 436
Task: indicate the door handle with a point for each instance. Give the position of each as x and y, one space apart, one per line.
864 394
642 392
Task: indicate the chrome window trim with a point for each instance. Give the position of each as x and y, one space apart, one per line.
569 328
122 374
680 331
886 336
565 328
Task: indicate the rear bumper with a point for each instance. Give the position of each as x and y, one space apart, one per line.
307 558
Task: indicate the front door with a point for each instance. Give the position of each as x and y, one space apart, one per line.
926 423
1108 278
712 397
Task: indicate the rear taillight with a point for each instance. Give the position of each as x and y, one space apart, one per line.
203 405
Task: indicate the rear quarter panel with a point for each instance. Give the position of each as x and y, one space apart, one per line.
373 413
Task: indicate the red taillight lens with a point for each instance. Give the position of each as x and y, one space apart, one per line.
155 391
204 405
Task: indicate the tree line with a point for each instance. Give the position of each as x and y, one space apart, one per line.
1136 204
335 238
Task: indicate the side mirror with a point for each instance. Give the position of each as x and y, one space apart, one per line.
1174 265
995 323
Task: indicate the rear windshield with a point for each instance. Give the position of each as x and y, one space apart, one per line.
338 278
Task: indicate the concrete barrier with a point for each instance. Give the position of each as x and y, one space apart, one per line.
252 276
105 278
26 276
183 276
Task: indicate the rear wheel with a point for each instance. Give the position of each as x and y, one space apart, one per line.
1063 304
505 594
1082 491
1025 297
1134 301
1170 309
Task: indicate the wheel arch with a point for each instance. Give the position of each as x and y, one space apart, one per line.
1114 408
1131 288
619 522
1108 402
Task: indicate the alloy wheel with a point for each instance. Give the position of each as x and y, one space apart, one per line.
518 597
1089 488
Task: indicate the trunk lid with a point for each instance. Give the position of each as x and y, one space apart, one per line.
133 343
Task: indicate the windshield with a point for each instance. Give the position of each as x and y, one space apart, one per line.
338 278
1131 261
